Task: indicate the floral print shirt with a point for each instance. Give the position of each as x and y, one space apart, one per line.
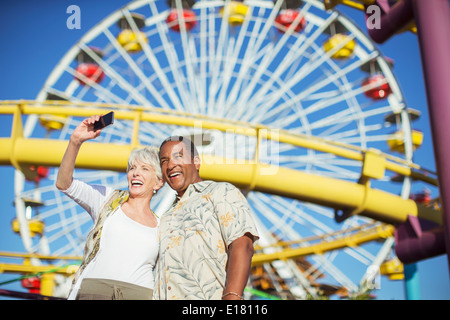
194 235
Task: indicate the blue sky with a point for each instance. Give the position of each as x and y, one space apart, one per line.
35 37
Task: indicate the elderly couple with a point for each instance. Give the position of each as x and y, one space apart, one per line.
201 248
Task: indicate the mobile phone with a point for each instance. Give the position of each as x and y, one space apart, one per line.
104 121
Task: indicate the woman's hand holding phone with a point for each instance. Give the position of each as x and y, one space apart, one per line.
85 130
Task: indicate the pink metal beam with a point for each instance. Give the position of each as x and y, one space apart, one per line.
393 19
433 24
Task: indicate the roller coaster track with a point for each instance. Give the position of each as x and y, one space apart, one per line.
350 197
282 250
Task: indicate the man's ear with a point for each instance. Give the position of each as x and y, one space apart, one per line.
197 162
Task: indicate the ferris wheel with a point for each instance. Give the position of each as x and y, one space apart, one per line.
284 65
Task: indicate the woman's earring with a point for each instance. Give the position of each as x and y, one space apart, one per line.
154 191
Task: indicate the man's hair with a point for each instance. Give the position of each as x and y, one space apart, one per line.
190 146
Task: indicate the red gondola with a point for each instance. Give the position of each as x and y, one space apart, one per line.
91 71
173 21
41 173
287 17
379 90
33 284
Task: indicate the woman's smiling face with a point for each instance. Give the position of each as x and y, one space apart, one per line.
142 179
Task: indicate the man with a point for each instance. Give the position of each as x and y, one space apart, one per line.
206 237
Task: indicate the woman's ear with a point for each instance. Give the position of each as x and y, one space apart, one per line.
159 183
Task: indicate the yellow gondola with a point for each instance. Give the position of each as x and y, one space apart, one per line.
52 122
396 141
344 42
237 12
393 269
35 226
128 39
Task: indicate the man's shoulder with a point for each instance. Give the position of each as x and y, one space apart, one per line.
225 190
221 185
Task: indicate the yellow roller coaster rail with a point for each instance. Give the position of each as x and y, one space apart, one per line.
351 197
355 197
330 242
280 251
28 268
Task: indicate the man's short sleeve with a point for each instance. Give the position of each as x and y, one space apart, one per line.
234 214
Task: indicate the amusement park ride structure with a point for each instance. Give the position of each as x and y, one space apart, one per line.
418 224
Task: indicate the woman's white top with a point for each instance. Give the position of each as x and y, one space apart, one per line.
128 250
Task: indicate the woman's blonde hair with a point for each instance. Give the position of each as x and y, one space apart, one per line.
148 155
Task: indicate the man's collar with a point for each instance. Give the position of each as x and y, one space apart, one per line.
198 187
202 185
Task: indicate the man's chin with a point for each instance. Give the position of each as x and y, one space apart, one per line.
178 188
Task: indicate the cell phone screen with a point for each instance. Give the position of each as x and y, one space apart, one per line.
104 121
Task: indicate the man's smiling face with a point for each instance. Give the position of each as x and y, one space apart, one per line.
178 168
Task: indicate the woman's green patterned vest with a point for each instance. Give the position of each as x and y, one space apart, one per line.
93 240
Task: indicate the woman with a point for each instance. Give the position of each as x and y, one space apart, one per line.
122 248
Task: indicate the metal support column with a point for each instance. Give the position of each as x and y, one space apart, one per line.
433 23
412 285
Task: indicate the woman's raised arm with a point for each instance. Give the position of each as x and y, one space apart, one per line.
83 132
